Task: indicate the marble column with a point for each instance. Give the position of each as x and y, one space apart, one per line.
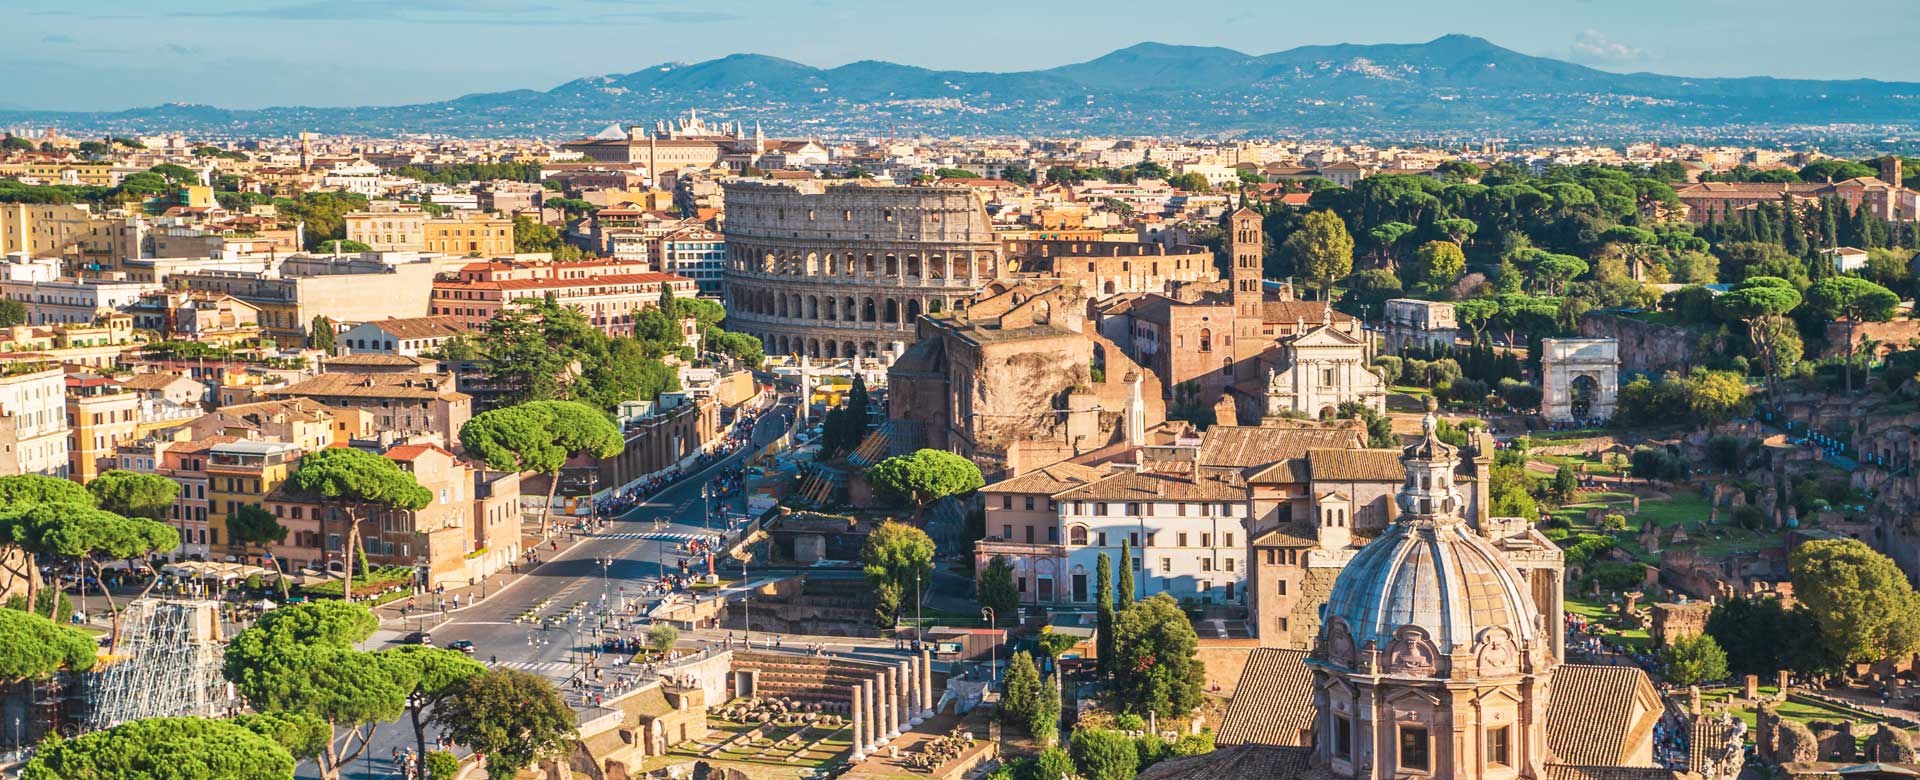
859 745
887 730
909 714
926 684
867 735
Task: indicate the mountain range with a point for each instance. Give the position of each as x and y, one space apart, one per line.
1453 87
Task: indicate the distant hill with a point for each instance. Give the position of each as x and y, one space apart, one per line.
1456 86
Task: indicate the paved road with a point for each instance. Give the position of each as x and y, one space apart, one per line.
637 546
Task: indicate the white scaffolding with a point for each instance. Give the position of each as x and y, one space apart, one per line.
167 665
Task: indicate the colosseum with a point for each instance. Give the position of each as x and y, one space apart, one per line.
843 269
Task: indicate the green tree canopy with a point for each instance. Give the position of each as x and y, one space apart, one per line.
355 480
996 587
163 749
1104 754
1441 264
1693 660
896 557
1861 599
1321 249
1020 698
1852 299
299 661
513 717
541 436
134 494
1156 669
926 476
33 647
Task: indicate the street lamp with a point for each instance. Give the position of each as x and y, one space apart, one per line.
919 626
993 650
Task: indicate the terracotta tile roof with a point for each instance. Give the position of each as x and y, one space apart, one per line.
1132 486
153 381
1049 480
342 385
1244 762
435 327
1286 535
1596 712
1273 704
378 359
1343 465
1236 446
591 281
1575 772
1289 312
412 451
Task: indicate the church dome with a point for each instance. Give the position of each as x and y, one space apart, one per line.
1442 579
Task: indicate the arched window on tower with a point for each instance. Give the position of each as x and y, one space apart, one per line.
1206 339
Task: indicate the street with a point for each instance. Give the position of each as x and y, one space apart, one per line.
572 585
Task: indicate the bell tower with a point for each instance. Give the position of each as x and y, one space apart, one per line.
1244 247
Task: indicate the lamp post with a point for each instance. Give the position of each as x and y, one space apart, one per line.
919 626
993 650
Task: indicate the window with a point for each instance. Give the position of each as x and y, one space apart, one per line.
1006 502
1206 540
1229 564
1077 535
1133 539
1180 539
1342 733
1500 746
1053 534
1006 531
1206 340
1029 503
1206 564
1228 542
1101 538
1326 377
1413 748
1282 590
1166 565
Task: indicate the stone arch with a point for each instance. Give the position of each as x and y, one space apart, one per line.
936 306
937 266
783 306
830 313
913 309
893 310
868 350
813 264
867 313
1206 337
914 268
813 307
847 350
849 310
768 262
813 348
1563 363
892 267
870 270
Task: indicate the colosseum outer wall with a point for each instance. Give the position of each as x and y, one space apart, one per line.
834 270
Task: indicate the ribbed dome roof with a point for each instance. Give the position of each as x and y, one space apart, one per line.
1440 577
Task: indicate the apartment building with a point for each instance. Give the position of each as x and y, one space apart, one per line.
695 253
102 416
408 336
33 421
399 403
241 473
609 301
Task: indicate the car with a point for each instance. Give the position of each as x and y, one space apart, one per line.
462 645
419 638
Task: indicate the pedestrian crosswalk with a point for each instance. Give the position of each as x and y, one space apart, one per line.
662 536
537 666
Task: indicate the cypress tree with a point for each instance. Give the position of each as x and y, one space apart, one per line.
1829 224
1103 584
1124 598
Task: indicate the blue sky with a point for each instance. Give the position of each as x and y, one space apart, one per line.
112 54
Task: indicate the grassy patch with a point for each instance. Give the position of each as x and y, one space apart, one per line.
1794 708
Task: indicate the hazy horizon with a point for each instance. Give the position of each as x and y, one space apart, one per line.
119 54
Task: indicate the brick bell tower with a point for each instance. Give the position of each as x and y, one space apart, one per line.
1245 241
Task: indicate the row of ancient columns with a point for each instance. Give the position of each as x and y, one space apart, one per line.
897 697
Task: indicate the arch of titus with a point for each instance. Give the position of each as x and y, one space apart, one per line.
1564 362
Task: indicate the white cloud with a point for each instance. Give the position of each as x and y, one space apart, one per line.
1593 47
